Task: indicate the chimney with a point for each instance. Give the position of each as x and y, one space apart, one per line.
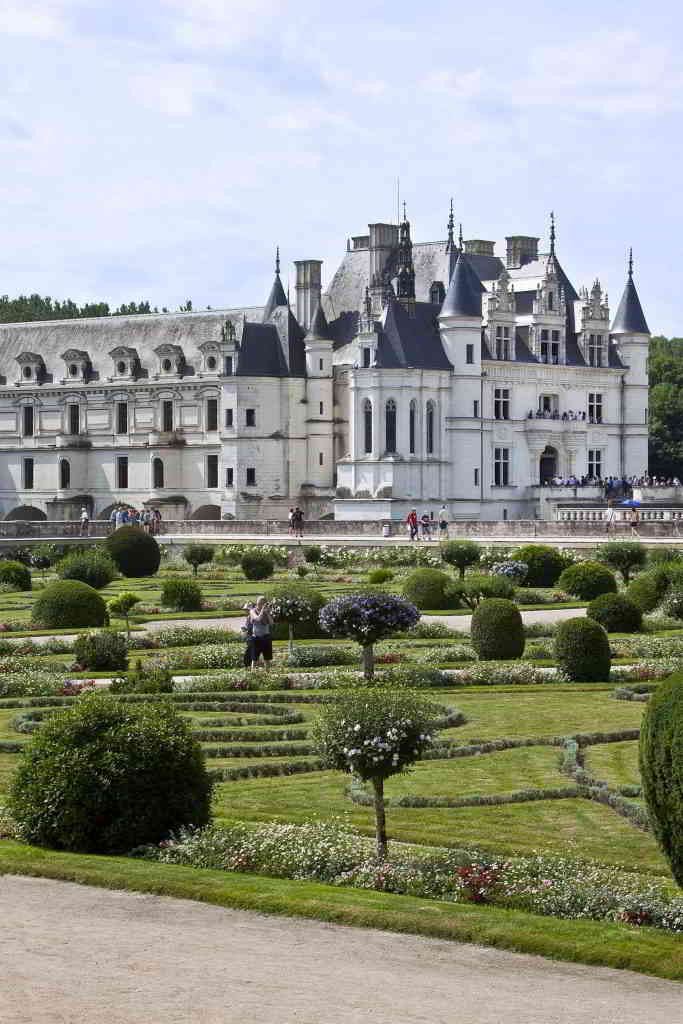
479 247
308 290
522 249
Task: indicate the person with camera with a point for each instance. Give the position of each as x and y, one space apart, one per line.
261 627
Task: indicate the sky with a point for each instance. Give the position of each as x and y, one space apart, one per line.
161 151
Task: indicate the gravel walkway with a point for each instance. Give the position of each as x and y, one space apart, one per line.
73 954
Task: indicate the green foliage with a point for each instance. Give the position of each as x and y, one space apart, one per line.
647 590
27 308
107 649
296 604
198 554
661 769
476 588
15 574
155 679
257 566
69 603
623 556
426 588
497 630
135 552
302 571
461 554
122 605
380 576
673 602
665 402
582 650
185 595
322 656
105 777
656 556
545 564
587 580
93 566
616 613
312 553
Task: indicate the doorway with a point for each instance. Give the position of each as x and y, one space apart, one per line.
548 466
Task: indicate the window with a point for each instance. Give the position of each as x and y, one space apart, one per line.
469 354
646 415
595 463
390 425
501 404
476 477
320 458
212 414
367 426
321 408
502 342
321 364
212 471
228 418
251 476
548 406
27 421
475 408
166 365
122 472
157 474
505 515
227 366
167 416
437 293
550 347
211 363
74 419
366 357
250 420
122 417
551 300
501 467
229 477
28 474
412 413
430 428
64 474
595 349
595 407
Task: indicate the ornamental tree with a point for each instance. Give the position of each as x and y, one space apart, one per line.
374 734
461 554
198 554
623 556
368 618
294 604
123 605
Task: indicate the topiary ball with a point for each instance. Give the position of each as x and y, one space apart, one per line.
582 650
67 604
135 552
545 564
587 580
185 595
647 590
257 566
106 776
616 613
15 574
497 630
380 576
426 588
661 769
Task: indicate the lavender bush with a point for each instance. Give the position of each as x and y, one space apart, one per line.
367 618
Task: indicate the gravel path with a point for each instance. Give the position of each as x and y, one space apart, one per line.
72 954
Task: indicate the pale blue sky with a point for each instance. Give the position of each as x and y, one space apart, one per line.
161 151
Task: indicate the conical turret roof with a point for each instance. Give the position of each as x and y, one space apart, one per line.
630 318
276 298
464 292
319 327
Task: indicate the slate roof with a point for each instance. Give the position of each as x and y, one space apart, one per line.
463 297
319 327
630 318
411 341
276 298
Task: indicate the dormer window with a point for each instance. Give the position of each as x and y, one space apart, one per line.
126 361
77 364
211 352
437 293
31 368
171 359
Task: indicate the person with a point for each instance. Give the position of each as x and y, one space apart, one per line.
610 514
248 631
119 520
290 519
261 624
156 525
85 522
411 520
443 523
112 519
634 520
298 522
426 523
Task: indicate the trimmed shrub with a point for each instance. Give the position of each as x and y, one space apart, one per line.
295 608
107 776
426 588
257 566
69 603
198 554
15 574
184 594
476 588
647 590
461 554
322 656
312 553
94 567
516 572
367 618
545 564
144 679
380 576
616 613
623 556
582 650
673 603
107 649
587 580
302 571
135 552
661 769
497 630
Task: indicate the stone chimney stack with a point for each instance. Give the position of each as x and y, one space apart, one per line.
308 290
521 249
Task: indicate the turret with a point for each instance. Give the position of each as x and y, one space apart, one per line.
460 319
277 295
405 276
319 396
632 336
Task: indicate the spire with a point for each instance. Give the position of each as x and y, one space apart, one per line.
277 261
552 233
319 328
450 244
405 277
464 294
277 295
630 318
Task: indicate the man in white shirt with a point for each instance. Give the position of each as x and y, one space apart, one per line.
443 523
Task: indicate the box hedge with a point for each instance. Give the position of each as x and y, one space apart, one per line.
497 630
582 650
69 603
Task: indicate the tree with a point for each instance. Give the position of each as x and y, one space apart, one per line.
292 604
661 769
461 554
623 556
198 554
665 418
368 618
122 606
374 734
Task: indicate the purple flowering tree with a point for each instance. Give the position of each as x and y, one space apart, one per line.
368 618
374 734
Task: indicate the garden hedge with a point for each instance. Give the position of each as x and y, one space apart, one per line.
184 594
257 566
582 650
616 613
661 768
545 564
135 552
94 566
69 603
497 630
15 574
426 588
647 590
107 649
587 580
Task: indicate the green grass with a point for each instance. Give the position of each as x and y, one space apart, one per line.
616 763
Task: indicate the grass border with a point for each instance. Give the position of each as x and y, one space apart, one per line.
596 943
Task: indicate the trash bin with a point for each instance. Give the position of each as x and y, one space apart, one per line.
386 530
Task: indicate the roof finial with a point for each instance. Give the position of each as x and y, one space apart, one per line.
404 211
277 261
450 243
630 263
460 241
552 233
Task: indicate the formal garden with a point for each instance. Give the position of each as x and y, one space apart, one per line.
494 771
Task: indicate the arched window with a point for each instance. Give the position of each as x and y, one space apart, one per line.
64 474
390 425
367 425
157 473
430 428
412 425
437 293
